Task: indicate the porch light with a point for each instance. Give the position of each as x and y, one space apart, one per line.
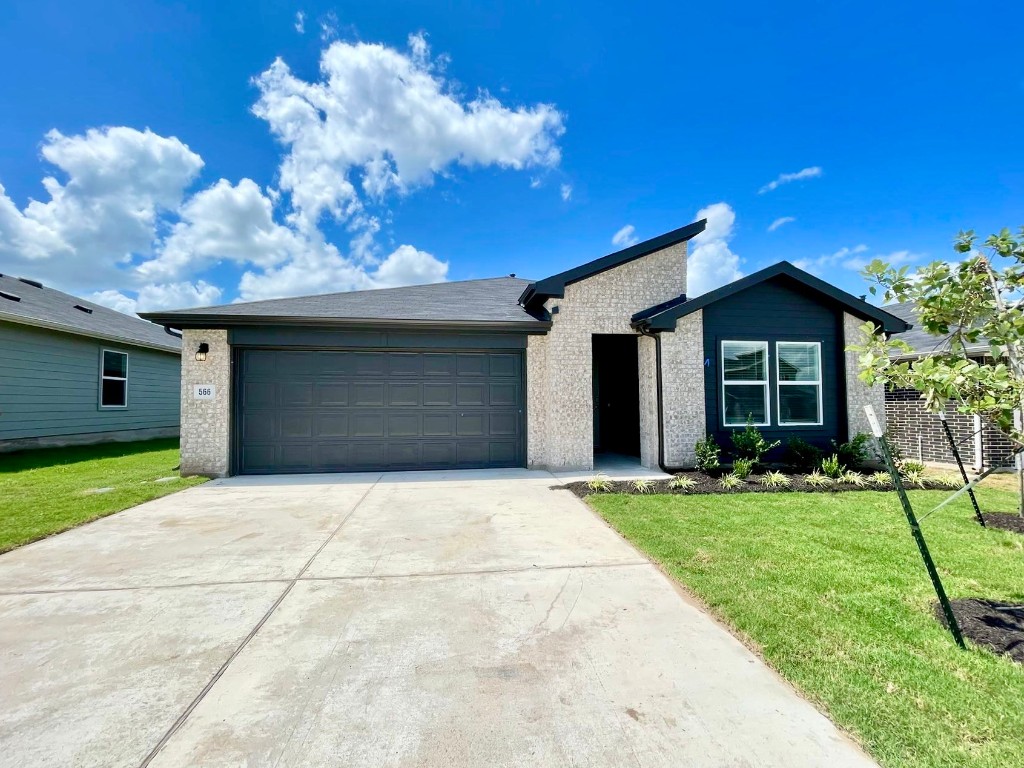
201 352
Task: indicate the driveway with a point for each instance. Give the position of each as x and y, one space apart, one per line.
409 619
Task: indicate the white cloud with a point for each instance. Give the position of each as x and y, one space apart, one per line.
381 119
625 237
329 27
785 178
855 258
781 222
712 263
120 225
566 191
300 22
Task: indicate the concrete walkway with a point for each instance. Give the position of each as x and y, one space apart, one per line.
410 619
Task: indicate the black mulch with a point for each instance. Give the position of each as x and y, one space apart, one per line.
706 484
1004 521
999 627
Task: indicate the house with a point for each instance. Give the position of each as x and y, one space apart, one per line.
74 372
918 432
608 356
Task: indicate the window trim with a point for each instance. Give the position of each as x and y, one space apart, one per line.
765 383
819 383
104 377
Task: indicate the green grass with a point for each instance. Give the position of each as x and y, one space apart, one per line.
47 491
833 592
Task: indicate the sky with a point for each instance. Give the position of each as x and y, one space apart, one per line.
165 155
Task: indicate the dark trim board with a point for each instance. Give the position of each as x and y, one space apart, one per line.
502 411
334 338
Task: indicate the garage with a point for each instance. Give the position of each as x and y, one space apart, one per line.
331 410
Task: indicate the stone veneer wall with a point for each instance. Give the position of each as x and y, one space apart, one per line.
559 365
648 370
205 424
859 394
682 381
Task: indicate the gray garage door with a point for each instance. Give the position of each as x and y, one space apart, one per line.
337 411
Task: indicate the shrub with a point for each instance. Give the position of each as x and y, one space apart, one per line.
953 482
682 483
642 486
801 455
880 479
855 453
707 451
599 484
730 481
750 443
831 467
853 478
817 480
908 467
742 467
912 477
775 480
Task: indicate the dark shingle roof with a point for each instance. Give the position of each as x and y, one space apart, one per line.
36 305
491 301
920 341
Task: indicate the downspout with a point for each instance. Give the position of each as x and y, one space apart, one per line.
660 407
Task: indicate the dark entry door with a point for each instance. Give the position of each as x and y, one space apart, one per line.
616 395
359 410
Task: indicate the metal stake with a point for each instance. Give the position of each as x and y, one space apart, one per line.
963 472
915 529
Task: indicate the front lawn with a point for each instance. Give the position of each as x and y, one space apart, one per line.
831 589
47 491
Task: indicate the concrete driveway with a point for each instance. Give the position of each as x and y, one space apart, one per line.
410 619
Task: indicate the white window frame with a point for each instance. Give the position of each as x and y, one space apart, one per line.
779 384
104 377
747 382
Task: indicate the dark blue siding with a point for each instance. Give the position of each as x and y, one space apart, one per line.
777 310
49 386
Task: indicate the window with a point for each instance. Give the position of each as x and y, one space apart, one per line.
113 379
745 383
798 366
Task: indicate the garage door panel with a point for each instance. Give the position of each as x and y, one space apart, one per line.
352 410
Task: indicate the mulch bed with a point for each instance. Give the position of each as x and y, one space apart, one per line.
1004 521
706 484
999 627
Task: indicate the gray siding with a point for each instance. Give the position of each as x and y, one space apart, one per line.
49 386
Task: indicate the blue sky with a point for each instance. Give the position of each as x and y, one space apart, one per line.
453 141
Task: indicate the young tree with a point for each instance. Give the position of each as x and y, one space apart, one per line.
979 297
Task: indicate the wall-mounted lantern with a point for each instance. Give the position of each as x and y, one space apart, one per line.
201 352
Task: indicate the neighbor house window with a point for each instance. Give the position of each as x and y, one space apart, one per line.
113 379
798 365
745 383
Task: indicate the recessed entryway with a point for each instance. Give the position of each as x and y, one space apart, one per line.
616 394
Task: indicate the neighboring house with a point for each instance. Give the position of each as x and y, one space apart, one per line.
74 372
918 432
609 356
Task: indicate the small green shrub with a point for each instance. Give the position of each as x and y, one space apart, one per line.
831 468
730 481
707 451
953 482
853 478
742 467
775 480
818 480
642 486
801 455
913 478
682 483
599 484
908 467
750 443
854 453
880 479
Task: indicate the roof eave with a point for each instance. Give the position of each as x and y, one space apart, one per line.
86 333
215 321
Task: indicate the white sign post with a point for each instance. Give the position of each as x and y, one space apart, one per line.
204 392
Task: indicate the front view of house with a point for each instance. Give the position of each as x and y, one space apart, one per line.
610 356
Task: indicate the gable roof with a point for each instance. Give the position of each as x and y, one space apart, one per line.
28 302
554 287
489 304
663 317
920 340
